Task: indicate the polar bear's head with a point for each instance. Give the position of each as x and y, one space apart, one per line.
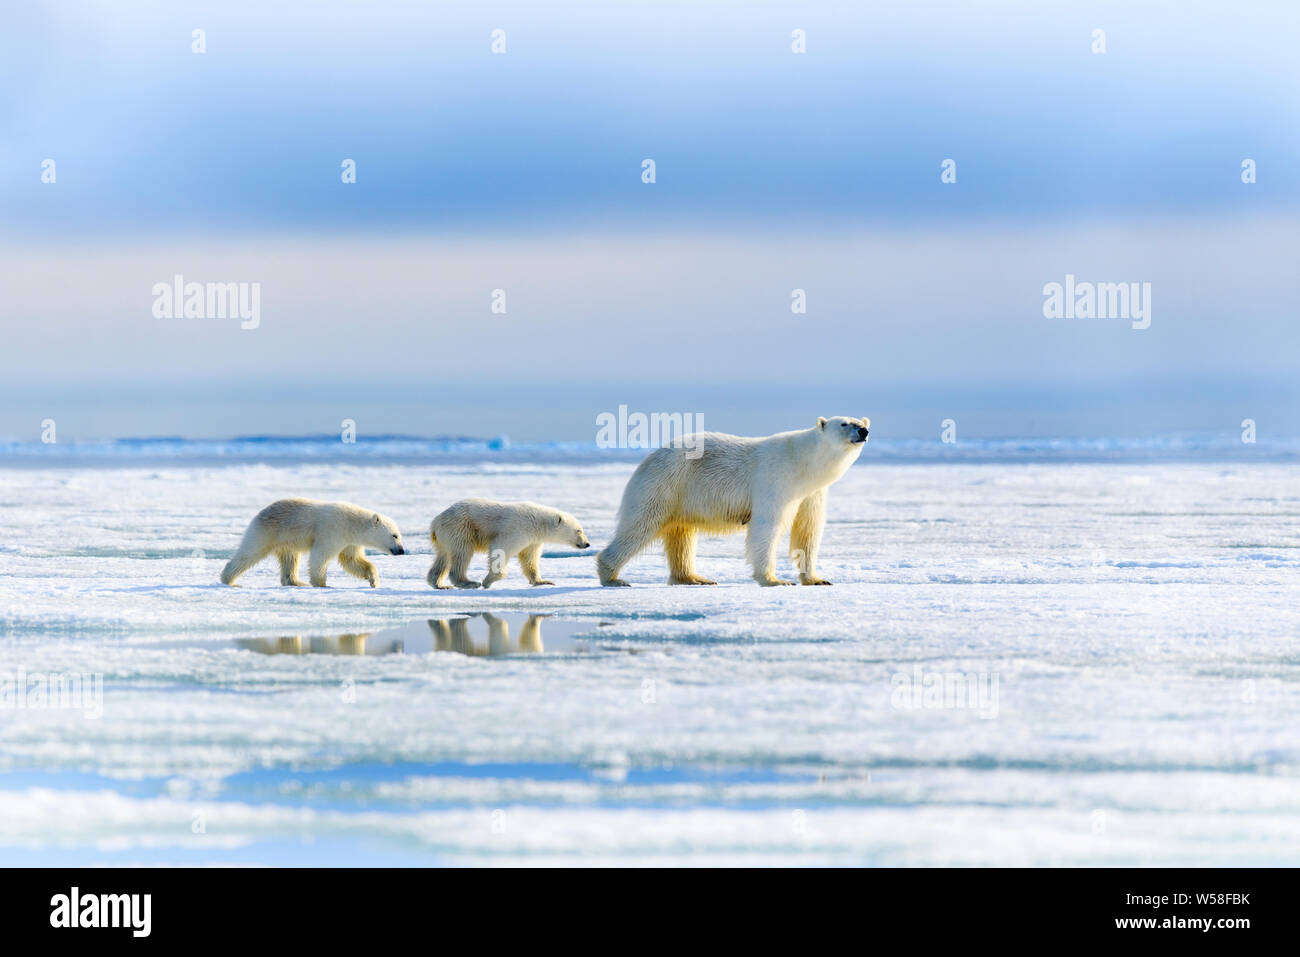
567 530
384 535
845 429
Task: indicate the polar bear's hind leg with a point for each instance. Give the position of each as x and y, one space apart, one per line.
437 576
460 559
248 555
629 540
679 547
289 567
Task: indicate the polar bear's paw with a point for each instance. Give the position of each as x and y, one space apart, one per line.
616 583
690 580
769 582
812 580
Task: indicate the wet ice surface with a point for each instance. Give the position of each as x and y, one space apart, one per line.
1131 632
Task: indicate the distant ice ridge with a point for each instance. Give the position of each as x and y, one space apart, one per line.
412 449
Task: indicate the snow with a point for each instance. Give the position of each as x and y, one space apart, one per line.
1134 623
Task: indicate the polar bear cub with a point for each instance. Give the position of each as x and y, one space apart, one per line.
720 483
503 530
324 530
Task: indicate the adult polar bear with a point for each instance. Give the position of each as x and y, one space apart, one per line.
719 483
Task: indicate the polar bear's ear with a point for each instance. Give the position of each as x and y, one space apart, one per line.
821 422
377 518
866 421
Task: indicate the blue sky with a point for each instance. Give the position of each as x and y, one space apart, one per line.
522 171
249 136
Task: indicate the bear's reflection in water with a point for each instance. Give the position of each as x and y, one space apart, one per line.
480 634
352 644
453 634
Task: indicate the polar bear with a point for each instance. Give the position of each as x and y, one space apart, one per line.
501 529
323 529
720 483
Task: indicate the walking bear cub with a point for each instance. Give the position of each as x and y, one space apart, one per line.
324 530
503 530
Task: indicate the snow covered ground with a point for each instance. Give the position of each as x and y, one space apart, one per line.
1114 648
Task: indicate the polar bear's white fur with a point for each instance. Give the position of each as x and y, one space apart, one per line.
503 530
324 530
719 483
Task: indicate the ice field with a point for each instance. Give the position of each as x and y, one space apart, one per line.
1020 662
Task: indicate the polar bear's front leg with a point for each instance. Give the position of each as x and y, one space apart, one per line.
806 537
528 559
499 553
353 560
765 526
318 561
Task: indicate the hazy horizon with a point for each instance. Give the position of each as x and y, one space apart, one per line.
568 413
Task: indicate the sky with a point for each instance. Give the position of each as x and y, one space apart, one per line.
522 172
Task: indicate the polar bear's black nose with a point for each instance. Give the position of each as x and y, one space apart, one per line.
862 433
399 550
